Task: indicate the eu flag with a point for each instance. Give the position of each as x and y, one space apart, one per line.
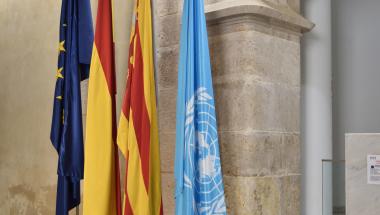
75 47
198 174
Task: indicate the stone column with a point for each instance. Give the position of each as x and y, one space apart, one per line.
255 56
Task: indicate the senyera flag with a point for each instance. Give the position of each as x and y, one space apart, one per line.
198 175
75 45
101 170
138 131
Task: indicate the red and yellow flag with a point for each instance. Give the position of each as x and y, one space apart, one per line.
138 131
101 166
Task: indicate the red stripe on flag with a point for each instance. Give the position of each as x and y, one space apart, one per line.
127 96
141 120
105 46
161 208
104 42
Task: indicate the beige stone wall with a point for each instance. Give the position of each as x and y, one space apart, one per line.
28 60
28 57
257 91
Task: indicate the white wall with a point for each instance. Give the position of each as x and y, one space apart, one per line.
316 118
356 52
356 74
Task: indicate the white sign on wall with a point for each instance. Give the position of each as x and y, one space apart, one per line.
373 169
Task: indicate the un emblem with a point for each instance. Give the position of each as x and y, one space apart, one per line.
203 174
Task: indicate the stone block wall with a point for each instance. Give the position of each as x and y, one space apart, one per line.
167 21
256 72
256 81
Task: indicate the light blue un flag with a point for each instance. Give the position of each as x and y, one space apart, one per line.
198 174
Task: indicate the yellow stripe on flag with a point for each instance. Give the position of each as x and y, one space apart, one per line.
135 186
140 144
122 134
145 25
99 170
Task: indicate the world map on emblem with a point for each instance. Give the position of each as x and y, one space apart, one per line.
203 175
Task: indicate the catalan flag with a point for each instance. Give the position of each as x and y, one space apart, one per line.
75 44
101 170
198 172
138 131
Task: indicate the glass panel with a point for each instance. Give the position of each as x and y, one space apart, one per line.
333 187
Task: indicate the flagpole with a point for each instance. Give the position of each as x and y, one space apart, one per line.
77 210
152 5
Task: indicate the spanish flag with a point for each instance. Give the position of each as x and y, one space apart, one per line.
138 131
101 166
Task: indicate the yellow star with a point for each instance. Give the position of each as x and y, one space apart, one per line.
59 97
61 47
59 73
132 60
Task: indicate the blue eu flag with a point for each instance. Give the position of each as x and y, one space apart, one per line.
198 174
75 46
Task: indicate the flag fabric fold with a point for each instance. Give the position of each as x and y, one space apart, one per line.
101 171
198 175
138 130
75 46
